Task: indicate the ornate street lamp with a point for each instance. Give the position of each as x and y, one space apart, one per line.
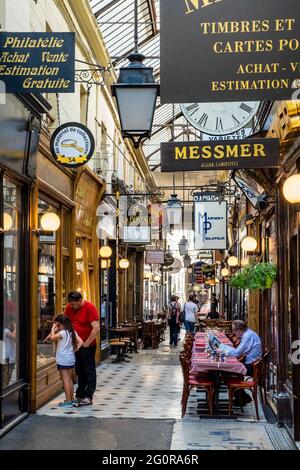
174 210
136 93
183 246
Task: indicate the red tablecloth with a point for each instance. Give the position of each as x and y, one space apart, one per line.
201 362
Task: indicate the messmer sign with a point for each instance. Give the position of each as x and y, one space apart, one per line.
219 155
210 226
72 145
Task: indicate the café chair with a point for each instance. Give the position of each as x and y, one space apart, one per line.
190 381
252 384
263 375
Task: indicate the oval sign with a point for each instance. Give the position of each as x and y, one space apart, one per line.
72 145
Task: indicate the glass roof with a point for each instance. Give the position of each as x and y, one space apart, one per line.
116 23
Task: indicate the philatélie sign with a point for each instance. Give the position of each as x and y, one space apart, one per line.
226 155
72 145
210 225
229 50
37 62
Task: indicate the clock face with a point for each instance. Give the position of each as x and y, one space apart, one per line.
220 118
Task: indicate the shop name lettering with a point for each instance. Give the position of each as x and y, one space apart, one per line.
193 5
195 152
47 57
260 45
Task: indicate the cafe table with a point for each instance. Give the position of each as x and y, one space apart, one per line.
202 362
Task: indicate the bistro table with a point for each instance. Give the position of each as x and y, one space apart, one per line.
202 363
130 331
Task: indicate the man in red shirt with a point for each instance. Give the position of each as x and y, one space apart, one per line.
85 320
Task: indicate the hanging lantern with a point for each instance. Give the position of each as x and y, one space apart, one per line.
50 222
249 244
225 272
183 246
291 189
174 210
105 251
124 263
7 221
78 252
156 278
232 261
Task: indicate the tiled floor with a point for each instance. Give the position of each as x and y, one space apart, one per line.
150 386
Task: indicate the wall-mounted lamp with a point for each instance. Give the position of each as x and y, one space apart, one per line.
50 222
291 189
7 222
78 252
249 244
225 272
105 252
124 263
232 261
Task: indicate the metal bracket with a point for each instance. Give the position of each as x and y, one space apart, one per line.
93 75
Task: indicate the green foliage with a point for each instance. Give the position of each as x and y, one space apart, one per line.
255 276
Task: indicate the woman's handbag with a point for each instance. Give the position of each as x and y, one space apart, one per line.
182 315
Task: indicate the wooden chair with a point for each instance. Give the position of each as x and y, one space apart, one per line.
225 325
190 381
263 376
120 347
233 385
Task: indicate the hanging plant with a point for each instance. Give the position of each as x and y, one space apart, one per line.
256 276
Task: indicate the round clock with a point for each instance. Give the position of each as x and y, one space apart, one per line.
220 118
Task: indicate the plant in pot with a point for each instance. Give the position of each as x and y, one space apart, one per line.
256 276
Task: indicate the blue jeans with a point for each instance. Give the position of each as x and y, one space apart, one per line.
189 326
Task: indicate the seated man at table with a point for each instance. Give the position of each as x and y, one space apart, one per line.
250 346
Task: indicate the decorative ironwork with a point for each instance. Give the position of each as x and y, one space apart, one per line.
93 75
214 191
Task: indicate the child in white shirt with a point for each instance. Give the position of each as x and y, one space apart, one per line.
68 342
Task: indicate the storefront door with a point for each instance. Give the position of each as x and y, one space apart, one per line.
13 302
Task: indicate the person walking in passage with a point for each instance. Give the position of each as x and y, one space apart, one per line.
68 342
85 319
190 317
173 319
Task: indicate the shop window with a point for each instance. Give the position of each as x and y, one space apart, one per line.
11 283
46 286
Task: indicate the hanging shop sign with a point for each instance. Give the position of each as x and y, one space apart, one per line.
72 145
229 50
251 189
135 222
37 62
198 156
210 225
155 257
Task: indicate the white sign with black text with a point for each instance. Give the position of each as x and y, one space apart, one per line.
210 225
